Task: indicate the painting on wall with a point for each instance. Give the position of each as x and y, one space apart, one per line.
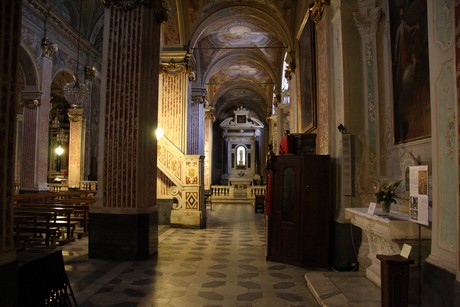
307 75
410 70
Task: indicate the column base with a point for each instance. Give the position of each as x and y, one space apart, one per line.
186 219
123 236
439 287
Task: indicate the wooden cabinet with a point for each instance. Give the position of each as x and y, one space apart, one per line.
301 211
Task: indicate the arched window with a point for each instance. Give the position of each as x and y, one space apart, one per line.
240 157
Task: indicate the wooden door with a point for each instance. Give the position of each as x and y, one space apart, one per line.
316 211
284 219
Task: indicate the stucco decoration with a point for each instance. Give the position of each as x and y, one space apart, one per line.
323 93
443 25
447 141
367 21
171 29
445 94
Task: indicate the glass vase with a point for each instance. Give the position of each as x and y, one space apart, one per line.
386 207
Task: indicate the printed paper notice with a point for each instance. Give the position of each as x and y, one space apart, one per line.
405 251
418 194
371 208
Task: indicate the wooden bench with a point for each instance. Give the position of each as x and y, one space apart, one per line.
80 213
62 218
37 223
42 197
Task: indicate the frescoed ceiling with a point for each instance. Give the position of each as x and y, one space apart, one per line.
238 47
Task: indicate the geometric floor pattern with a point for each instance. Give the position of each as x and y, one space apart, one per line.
221 265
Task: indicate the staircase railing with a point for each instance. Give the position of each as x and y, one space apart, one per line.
170 161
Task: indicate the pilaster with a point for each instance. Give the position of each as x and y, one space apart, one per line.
175 99
345 99
34 166
76 135
208 144
444 120
367 20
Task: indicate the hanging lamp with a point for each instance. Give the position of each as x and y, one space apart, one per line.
76 93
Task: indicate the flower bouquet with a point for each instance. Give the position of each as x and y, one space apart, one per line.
385 194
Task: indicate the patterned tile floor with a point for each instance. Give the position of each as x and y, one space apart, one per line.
222 265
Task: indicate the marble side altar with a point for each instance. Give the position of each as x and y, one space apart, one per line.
384 235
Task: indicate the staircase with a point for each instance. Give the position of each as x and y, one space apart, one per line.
186 173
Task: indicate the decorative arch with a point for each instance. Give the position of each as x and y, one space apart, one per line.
28 69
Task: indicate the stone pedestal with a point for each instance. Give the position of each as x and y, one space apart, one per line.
384 235
186 218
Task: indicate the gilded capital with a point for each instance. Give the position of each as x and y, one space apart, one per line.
75 114
210 113
30 103
90 72
48 48
176 68
291 65
199 99
317 8
30 99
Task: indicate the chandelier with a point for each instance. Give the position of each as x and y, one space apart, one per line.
76 93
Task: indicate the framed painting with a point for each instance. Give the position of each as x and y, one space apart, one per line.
410 70
307 75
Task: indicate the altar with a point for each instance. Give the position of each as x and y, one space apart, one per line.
385 235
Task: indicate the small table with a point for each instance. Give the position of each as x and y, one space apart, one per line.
384 235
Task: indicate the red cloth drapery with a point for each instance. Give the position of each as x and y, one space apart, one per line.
286 145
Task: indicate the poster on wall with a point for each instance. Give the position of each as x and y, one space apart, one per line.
418 194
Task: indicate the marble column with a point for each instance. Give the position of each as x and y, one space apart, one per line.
76 152
208 143
10 16
34 166
124 220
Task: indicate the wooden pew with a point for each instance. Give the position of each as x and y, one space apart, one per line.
62 218
42 197
69 216
36 222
